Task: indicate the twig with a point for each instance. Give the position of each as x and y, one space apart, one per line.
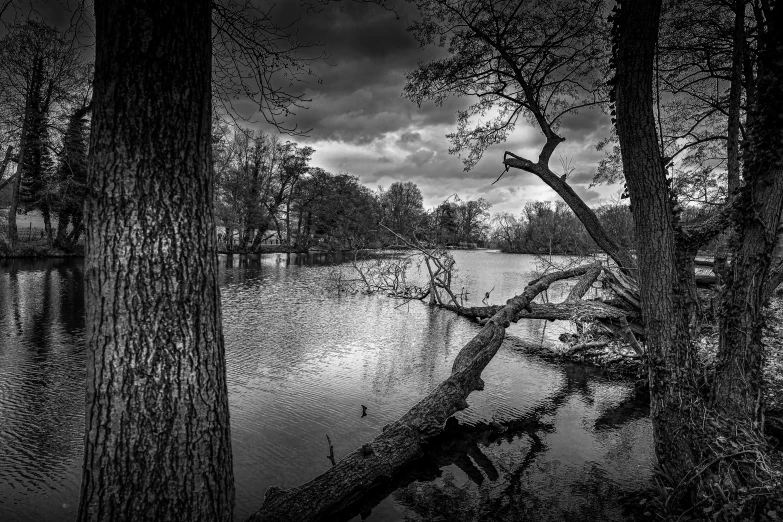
330 456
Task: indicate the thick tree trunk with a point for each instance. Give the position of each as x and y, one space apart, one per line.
738 380
697 437
673 389
157 442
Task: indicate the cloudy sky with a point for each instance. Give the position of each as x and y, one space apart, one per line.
361 124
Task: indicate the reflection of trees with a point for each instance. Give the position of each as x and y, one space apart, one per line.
11 296
634 408
496 487
71 313
42 316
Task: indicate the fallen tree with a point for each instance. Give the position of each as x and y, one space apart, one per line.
403 441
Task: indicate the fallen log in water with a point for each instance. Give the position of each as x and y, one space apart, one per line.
402 441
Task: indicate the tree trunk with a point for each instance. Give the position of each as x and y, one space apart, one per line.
77 227
63 219
696 435
6 161
157 442
673 390
47 218
229 239
738 380
735 97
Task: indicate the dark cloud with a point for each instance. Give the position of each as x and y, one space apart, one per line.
362 125
357 97
409 138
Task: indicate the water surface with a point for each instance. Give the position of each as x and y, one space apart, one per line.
301 362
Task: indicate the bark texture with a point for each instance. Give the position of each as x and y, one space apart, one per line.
673 390
157 442
738 380
709 446
6 161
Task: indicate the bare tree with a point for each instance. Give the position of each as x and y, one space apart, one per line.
538 61
39 69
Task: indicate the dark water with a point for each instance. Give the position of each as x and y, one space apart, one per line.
301 361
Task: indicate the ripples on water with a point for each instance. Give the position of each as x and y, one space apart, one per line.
301 362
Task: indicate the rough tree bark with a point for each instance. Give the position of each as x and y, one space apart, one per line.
738 379
157 442
673 388
691 432
402 441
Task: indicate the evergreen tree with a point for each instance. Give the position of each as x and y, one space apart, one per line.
71 177
37 165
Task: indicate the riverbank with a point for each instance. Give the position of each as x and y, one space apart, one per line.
38 249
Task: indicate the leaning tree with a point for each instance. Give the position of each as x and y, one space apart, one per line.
544 61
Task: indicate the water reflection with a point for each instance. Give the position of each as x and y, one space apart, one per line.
41 387
301 362
514 470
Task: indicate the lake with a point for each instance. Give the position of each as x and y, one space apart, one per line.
302 360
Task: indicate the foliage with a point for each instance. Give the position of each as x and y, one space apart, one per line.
71 177
254 176
538 60
335 211
402 207
43 82
458 222
544 228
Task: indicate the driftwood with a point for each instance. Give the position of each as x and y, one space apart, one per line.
584 284
612 314
403 441
625 288
580 311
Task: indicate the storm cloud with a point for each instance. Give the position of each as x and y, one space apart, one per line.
359 122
